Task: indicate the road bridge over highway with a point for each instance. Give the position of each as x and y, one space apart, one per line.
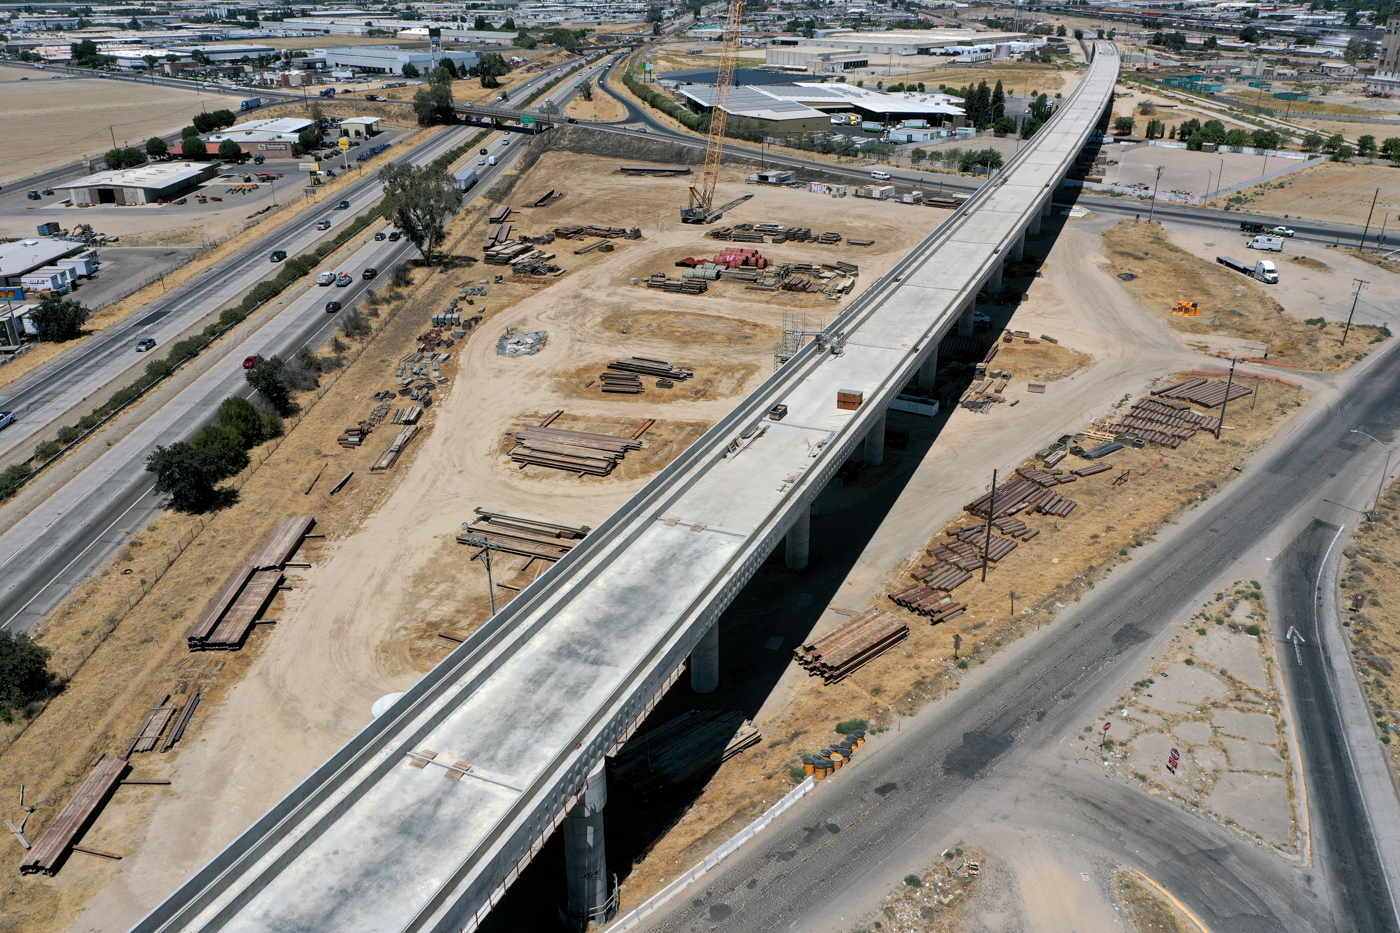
422 821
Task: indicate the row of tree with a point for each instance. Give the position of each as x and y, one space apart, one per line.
190 471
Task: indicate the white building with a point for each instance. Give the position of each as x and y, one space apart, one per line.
922 42
145 185
390 59
275 138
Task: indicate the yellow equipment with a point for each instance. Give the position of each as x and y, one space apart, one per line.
1187 309
702 198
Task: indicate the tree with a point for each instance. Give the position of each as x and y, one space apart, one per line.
1366 146
309 139
410 70
224 448
1004 126
1238 138
918 156
1040 108
1028 127
523 40
1249 34
1333 143
156 148
1211 44
420 201
193 148
319 118
128 157
1359 49
1342 153
223 118
433 104
1265 139
1391 148
1060 30
586 91
199 57
24 671
230 151
481 25
1155 129
242 418
490 67
59 319
266 378
1123 126
186 474
204 123
984 158
150 61
1147 108
998 103
1312 142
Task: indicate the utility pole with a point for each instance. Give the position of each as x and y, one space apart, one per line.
1228 385
1384 473
1355 296
991 509
1153 209
1369 215
487 546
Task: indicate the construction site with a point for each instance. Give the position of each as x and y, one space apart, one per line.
590 318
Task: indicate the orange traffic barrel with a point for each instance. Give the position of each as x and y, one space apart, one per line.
823 768
859 736
838 759
809 764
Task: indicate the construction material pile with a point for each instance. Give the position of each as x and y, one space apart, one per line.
1210 393
602 246
779 233
621 383
1167 424
551 195
986 388
507 252
225 623
408 415
581 452
852 644
650 367
53 846
736 257
355 435
500 215
681 286
1028 490
611 233
499 235
516 534
390 456
536 263
520 342
420 364
708 271
683 747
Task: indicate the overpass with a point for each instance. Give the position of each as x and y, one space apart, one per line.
422 821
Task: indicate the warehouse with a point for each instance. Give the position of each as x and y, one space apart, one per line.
358 127
773 115
390 59
923 42
816 60
22 257
145 185
225 53
275 138
930 106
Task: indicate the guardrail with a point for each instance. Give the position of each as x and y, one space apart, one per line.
466 891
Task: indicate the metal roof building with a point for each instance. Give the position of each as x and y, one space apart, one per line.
145 185
779 116
390 59
21 257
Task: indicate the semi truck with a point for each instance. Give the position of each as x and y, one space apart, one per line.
466 179
1263 270
252 103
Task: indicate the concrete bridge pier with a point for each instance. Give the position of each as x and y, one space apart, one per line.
1018 248
585 858
994 283
965 321
928 369
799 539
875 442
704 662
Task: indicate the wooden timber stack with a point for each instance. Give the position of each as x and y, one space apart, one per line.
224 624
683 747
574 451
500 214
852 644
57 840
621 383
390 456
527 537
649 367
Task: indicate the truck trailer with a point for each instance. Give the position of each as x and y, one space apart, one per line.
1263 270
252 103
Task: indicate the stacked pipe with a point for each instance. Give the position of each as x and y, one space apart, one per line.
852 644
1211 394
621 383
650 367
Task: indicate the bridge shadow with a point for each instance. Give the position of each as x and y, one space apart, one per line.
771 616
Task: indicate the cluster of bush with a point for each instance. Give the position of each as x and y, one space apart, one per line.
188 471
697 122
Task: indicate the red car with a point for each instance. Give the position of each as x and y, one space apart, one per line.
249 362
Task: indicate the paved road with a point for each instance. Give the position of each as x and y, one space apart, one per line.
1001 725
66 537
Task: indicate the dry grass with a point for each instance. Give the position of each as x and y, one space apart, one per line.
1231 304
1340 192
1307 262
1145 907
940 900
604 107
711 381
1046 573
1040 362
687 328
661 443
1389 265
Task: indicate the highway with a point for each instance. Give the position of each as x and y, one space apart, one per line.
374 841
61 540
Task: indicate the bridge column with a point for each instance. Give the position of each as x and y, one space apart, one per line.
965 318
994 283
875 442
704 662
585 858
799 539
928 369
1018 248
1034 228
1048 206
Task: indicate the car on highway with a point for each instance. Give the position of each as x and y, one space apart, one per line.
143 345
343 206
249 362
505 141
323 225
480 161
370 272
325 278
343 280
394 236
1280 231
332 307
278 255
34 196
380 236
7 418
485 152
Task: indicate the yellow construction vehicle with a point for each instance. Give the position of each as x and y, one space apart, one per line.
702 199
1187 309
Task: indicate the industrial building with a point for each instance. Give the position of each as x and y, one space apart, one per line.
274 138
226 53
774 115
816 60
22 257
359 127
922 42
390 59
806 107
145 185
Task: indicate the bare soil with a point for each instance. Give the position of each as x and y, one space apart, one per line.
938 899
1145 907
1330 191
1040 362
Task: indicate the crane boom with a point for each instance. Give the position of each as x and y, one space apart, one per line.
703 197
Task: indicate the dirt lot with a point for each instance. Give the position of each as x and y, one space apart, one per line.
603 108
1330 191
1239 316
363 620
75 118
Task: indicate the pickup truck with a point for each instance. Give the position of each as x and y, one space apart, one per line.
1263 270
1247 227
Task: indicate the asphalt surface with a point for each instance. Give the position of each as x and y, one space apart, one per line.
1003 722
63 539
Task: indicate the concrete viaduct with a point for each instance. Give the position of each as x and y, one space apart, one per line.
422 821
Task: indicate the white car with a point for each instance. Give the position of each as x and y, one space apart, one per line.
7 418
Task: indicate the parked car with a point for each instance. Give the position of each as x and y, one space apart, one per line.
370 272
249 362
394 235
278 255
343 206
7 418
323 225
381 236
343 280
332 307
325 278
143 345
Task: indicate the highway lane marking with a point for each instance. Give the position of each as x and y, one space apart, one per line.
1179 906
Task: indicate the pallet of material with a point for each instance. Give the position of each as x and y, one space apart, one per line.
649 367
408 415
152 728
1210 393
270 557
854 242
572 451
58 837
683 747
681 286
1092 469
388 458
621 383
852 644
500 214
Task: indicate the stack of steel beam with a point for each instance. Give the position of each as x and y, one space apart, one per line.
852 644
